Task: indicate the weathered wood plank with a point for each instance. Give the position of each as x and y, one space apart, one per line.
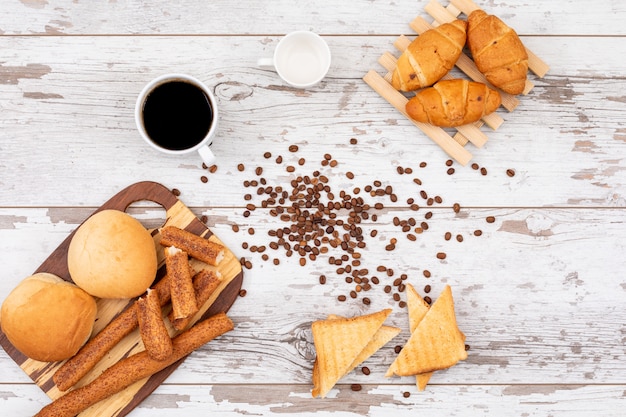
64 136
540 294
66 17
382 400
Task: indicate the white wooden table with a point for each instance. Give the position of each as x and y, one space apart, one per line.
541 294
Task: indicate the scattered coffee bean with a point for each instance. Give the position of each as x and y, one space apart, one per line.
235 228
450 171
356 387
478 232
406 394
459 238
483 171
397 348
213 169
490 219
176 192
293 148
441 255
510 172
241 167
365 370
242 293
353 141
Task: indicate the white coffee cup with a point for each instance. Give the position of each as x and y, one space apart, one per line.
301 59
177 114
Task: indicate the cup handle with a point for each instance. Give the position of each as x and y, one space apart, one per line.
266 63
207 156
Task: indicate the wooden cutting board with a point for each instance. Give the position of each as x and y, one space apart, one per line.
177 214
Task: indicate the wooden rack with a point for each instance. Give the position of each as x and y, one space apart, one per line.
454 145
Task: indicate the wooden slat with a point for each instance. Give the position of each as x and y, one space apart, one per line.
438 135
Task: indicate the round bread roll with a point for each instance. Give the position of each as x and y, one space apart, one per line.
112 256
46 318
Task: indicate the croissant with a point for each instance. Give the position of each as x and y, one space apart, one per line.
430 56
452 103
497 51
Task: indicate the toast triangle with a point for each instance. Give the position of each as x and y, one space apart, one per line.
437 343
338 344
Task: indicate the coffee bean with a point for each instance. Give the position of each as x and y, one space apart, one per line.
441 255
478 232
448 236
427 289
235 228
450 171
365 370
366 301
456 207
483 171
242 293
510 172
475 166
397 348
353 141
267 155
490 219
356 387
241 167
459 238
293 148
213 169
406 394
350 175
176 191
428 300
423 164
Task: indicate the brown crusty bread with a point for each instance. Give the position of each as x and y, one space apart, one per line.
451 103
497 51
134 368
430 56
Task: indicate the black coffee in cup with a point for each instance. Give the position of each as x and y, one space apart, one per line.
177 115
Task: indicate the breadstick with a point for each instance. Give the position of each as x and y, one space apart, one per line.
135 368
204 284
181 285
152 329
197 247
94 350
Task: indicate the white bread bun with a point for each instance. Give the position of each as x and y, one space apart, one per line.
46 318
112 256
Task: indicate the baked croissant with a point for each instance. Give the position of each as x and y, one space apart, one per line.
497 51
430 56
452 103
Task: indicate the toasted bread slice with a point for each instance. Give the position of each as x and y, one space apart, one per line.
380 339
437 343
417 310
338 344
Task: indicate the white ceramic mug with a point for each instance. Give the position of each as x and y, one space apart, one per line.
177 114
301 59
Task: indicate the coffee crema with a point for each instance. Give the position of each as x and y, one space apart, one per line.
177 115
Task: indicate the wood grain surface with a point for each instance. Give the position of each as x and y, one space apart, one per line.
540 294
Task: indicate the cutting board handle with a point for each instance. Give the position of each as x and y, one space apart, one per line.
140 191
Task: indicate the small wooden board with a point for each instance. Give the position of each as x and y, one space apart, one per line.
454 146
177 214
